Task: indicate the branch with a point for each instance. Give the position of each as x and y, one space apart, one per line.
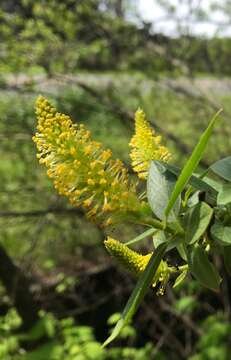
35 213
183 317
128 117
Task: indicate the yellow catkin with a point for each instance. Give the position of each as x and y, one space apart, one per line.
136 263
82 170
145 146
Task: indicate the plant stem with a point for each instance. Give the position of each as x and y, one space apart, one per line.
176 230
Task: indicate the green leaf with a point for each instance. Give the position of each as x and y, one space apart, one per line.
182 251
180 278
48 350
139 292
224 196
203 270
221 233
112 320
141 236
195 180
197 220
191 165
186 304
227 259
194 199
223 168
159 188
216 186
160 238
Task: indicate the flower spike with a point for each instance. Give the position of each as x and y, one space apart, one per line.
82 170
145 146
136 263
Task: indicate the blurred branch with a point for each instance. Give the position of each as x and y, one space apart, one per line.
188 322
128 117
125 115
173 340
35 213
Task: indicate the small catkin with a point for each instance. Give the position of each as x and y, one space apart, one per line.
146 146
136 263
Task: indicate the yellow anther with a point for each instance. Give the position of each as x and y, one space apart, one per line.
103 181
91 182
87 203
72 150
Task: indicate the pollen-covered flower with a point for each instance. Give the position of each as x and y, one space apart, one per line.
136 263
82 170
146 146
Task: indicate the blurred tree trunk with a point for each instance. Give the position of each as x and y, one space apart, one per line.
119 8
18 287
116 7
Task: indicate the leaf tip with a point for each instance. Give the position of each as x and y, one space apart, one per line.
108 341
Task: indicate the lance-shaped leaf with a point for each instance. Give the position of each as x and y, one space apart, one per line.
205 184
180 278
138 293
141 236
191 165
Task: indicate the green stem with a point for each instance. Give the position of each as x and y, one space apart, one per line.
176 230
142 236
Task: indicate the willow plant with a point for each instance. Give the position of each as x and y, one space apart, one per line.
182 210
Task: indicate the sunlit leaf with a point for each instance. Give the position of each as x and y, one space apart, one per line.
195 180
191 165
180 278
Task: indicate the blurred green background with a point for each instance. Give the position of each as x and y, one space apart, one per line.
98 61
